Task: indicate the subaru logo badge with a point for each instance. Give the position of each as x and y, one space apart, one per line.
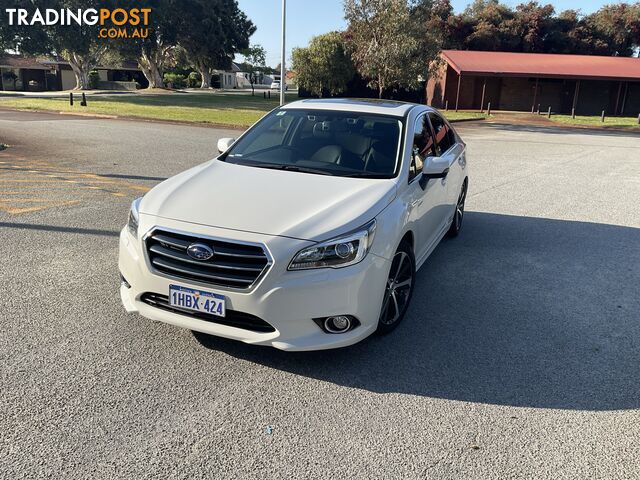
199 251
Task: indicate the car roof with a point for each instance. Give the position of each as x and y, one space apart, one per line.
361 105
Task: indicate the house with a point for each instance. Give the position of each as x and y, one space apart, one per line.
38 74
586 84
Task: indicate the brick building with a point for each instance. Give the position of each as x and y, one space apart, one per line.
469 80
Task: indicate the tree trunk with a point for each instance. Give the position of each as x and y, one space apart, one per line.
205 73
81 67
151 70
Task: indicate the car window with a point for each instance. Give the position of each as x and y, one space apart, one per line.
445 138
423 146
273 136
340 143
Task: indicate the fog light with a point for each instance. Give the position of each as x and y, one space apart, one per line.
337 324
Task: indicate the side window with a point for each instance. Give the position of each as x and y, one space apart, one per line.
423 146
445 138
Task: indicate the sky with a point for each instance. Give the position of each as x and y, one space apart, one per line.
307 18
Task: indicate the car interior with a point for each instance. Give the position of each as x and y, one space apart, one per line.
335 142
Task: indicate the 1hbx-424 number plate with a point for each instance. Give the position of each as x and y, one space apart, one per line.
196 300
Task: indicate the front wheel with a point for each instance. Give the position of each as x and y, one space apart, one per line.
458 216
399 288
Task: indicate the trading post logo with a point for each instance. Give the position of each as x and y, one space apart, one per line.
114 23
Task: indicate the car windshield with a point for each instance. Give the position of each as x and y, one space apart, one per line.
348 144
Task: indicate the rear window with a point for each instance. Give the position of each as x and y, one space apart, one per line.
330 142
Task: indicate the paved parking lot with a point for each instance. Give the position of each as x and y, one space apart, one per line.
518 358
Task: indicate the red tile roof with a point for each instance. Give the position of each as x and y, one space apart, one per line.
543 65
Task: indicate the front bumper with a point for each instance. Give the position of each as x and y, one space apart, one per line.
288 301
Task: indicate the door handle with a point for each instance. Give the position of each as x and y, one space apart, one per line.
416 203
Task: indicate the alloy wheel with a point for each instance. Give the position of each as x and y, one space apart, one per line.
459 215
398 291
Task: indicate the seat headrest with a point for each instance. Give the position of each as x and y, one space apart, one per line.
323 129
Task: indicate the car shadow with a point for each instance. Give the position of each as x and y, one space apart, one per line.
517 311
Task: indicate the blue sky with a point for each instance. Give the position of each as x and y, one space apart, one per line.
306 18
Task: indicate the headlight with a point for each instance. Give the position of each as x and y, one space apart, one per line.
134 217
338 252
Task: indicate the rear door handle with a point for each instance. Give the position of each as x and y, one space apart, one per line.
416 203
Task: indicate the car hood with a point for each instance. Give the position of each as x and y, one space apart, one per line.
271 202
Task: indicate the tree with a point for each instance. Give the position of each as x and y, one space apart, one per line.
532 23
254 63
157 50
389 42
221 31
616 27
324 67
77 44
492 26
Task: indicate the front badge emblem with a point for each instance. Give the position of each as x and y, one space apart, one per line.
199 251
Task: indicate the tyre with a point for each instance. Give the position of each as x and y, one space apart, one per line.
399 288
458 216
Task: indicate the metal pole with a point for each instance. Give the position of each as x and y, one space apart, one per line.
575 98
283 78
615 111
484 86
446 105
602 117
535 96
458 91
624 98
549 112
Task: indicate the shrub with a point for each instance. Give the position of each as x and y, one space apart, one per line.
175 80
94 79
194 80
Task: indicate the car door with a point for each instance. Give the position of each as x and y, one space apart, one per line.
425 199
450 150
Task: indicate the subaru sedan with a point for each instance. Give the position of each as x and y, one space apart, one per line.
306 232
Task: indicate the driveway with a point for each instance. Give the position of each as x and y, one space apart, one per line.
518 357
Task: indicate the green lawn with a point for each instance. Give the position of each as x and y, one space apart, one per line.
230 109
594 121
459 116
235 110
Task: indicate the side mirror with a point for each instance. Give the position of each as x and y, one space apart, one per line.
224 144
434 167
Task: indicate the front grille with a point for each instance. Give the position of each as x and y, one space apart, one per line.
231 318
233 265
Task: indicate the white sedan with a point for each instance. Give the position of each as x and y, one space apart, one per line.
276 86
306 232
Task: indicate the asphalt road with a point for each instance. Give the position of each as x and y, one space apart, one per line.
519 356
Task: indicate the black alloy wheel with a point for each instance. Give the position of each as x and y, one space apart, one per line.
399 288
458 216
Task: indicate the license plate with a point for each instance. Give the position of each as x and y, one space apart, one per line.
196 300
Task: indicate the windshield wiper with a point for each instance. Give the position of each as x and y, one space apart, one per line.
290 168
366 175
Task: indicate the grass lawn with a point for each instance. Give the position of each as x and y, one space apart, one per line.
458 116
230 109
594 121
235 110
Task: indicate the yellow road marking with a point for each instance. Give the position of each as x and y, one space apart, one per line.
16 211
